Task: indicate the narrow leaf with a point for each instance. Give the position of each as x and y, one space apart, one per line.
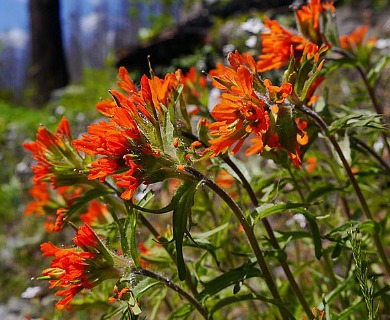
181 213
143 286
80 201
227 279
375 70
239 298
268 209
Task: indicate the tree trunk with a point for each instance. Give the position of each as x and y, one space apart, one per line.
48 67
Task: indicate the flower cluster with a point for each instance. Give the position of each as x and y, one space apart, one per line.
252 107
57 161
73 270
53 205
133 147
148 136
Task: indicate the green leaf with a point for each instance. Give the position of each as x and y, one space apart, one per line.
181 213
268 209
227 279
315 232
376 69
116 311
240 165
238 298
369 226
168 131
310 78
182 312
355 121
345 146
182 110
338 64
80 201
337 291
293 235
321 191
143 286
130 228
287 129
337 250
207 234
329 27
351 309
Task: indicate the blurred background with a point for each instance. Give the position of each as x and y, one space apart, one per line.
61 56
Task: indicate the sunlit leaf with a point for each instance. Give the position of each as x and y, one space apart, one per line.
355 121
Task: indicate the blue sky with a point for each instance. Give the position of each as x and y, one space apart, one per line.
13 23
14 20
13 14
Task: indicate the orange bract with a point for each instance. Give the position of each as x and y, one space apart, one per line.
309 19
130 136
276 46
74 270
355 40
96 213
239 113
48 149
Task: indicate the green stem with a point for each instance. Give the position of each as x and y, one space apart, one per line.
295 183
122 232
190 284
272 238
149 226
170 284
323 126
248 231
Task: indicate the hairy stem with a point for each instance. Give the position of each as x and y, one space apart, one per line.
155 233
272 238
248 231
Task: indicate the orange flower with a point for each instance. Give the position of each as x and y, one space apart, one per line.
302 136
244 112
129 145
194 85
239 113
311 164
317 313
41 195
309 17
224 179
97 213
73 270
278 94
53 153
51 203
355 40
144 252
118 295
277 44
236 60
59 223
